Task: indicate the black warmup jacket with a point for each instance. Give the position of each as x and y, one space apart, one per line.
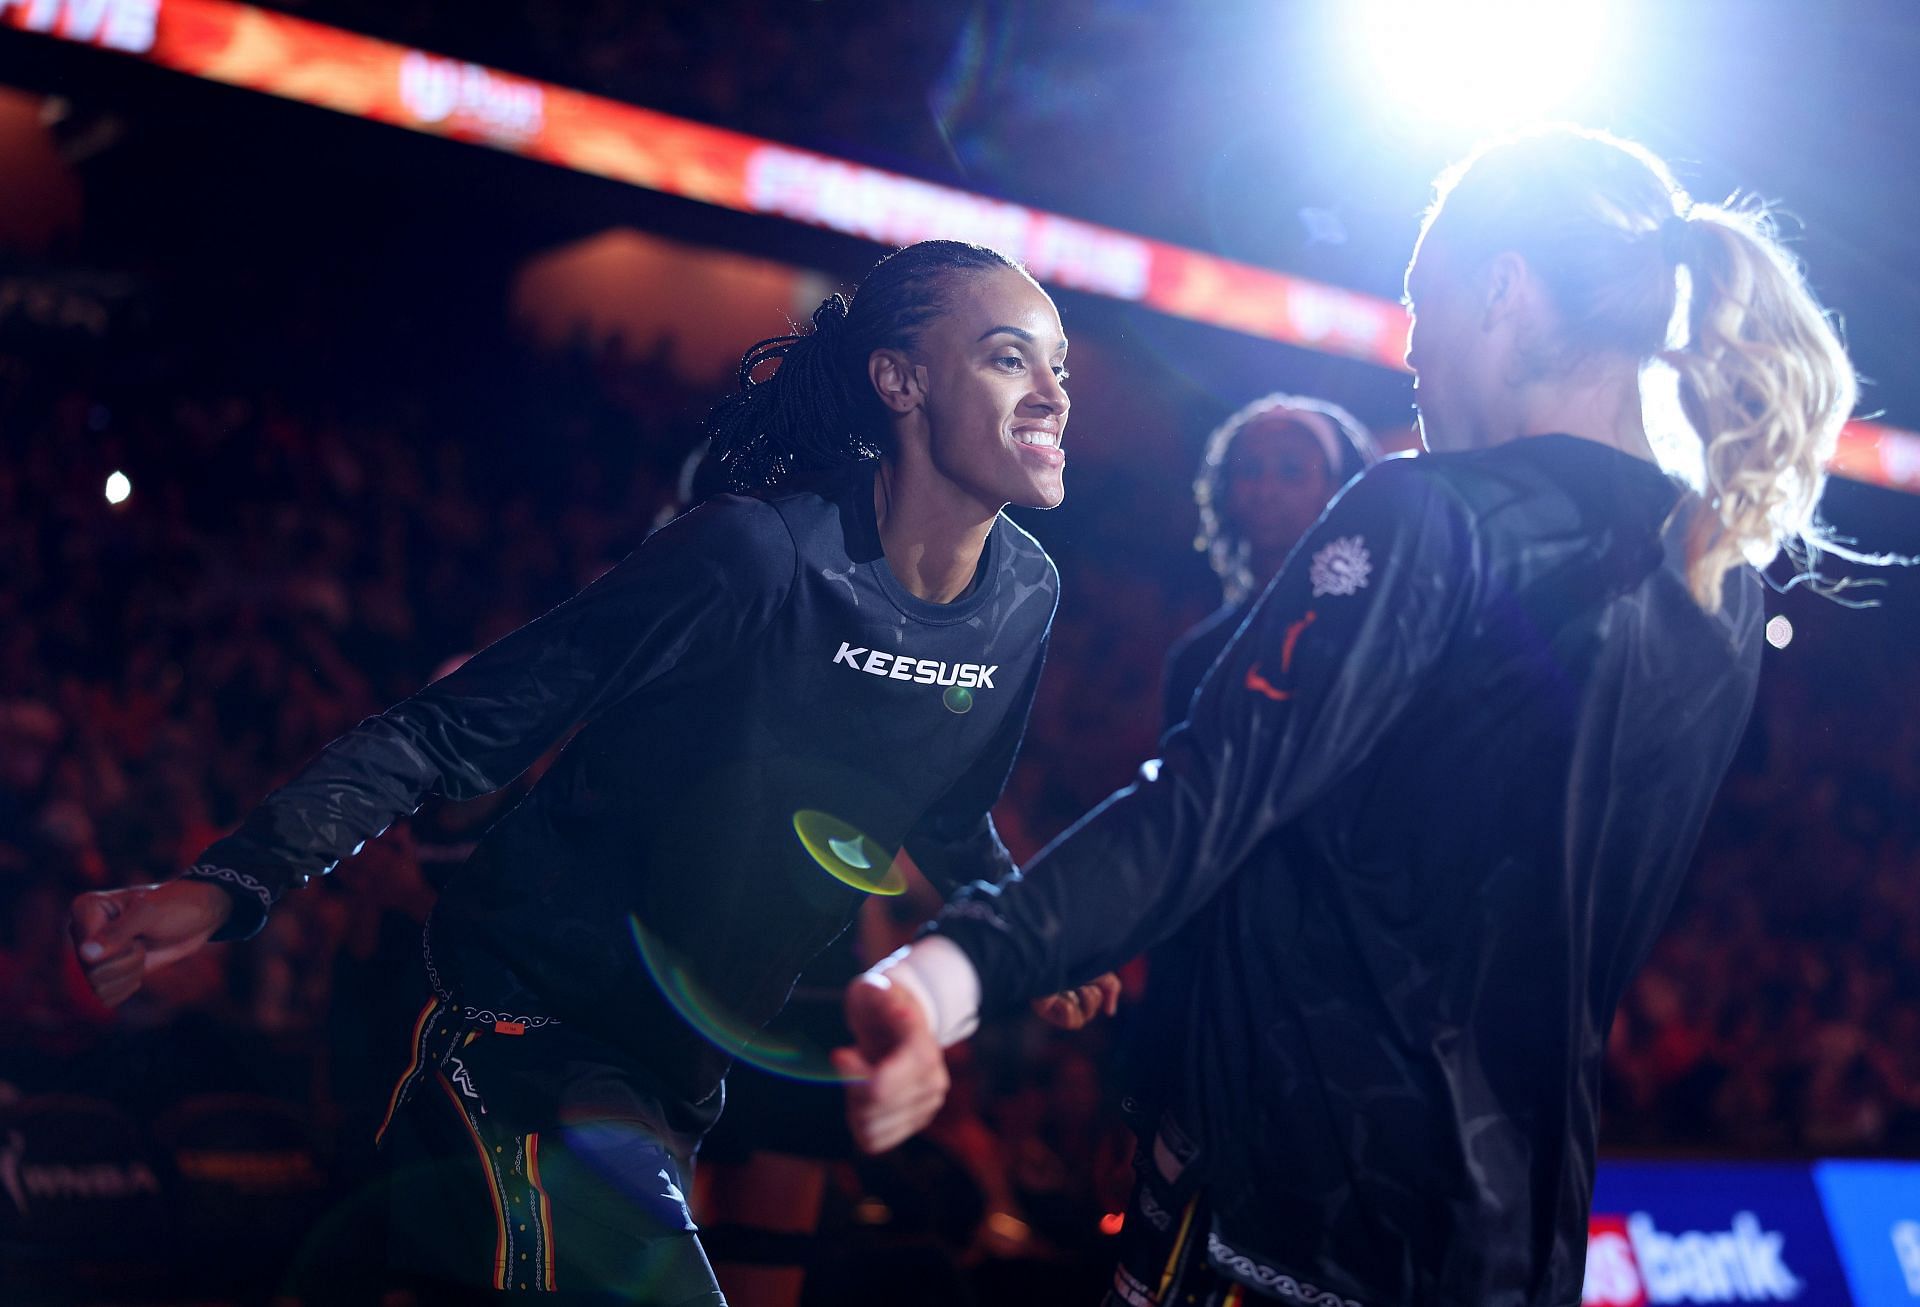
1193 653
1427 816
753 660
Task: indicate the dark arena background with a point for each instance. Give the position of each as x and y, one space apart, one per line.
338 339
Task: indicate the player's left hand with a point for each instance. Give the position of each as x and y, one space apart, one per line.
122 936
897 1073
1071 1009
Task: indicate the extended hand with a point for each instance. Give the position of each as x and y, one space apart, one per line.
123 935
897 1073
1071 1009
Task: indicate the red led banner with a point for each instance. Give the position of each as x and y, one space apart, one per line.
1885 456
299 60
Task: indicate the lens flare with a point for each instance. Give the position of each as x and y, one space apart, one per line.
699 1008
974 83
848 851
847 855
958 699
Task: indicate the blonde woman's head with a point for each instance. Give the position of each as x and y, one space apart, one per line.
1562 255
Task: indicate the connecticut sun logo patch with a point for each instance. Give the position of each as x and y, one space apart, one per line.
1341 567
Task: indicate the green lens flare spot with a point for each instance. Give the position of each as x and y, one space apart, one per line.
847 855
958 699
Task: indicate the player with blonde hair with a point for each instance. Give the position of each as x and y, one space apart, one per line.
1432 805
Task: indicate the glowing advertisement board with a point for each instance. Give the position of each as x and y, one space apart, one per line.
299 60
1874 1210
1825 1235
278 54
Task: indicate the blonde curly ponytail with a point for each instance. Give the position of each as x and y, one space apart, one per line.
1762 376
1766 385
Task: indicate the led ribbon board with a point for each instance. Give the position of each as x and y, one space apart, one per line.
299 60
294 59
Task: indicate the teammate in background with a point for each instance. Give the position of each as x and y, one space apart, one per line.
857 633
1434 802
1266 476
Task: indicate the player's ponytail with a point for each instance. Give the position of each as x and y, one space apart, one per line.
1766 386
1763 378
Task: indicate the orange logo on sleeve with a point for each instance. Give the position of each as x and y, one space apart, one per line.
1260 684
1293 638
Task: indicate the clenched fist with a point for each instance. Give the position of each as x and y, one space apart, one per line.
123 935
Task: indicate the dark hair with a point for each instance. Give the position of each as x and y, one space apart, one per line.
818 410
1227 549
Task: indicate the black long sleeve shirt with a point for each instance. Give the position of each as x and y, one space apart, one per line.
1430 810
753 660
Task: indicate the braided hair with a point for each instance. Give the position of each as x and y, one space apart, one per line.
818 409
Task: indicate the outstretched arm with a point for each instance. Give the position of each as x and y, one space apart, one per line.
701 584
1337 649
1332 656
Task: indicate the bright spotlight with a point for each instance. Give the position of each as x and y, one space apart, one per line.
118 488
1481 65
1779 632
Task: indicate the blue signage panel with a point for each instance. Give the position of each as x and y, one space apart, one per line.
1873 1209
1685 1233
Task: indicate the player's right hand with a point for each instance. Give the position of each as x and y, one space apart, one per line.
123 935
896 1074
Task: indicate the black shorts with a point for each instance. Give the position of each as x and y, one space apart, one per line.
516 1165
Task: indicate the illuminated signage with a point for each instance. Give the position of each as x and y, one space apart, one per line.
293 58
127 25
